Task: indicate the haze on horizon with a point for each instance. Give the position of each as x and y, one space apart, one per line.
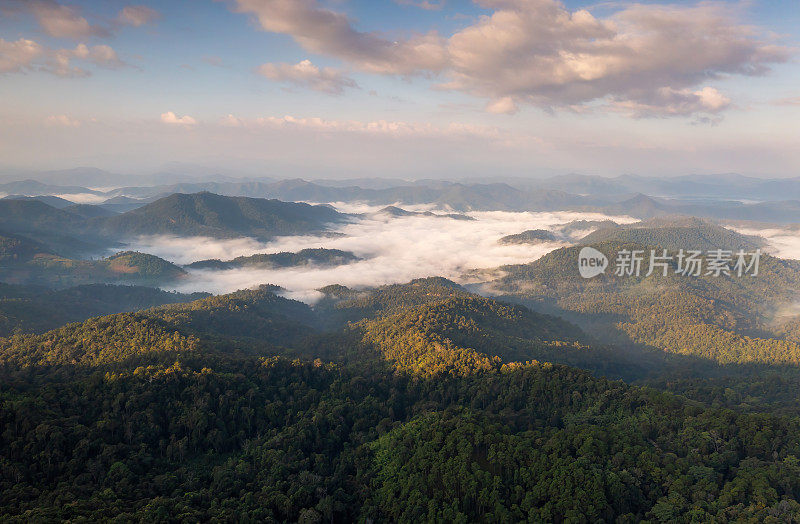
400 88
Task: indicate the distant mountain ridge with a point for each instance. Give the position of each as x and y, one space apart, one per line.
208 214
305 257
713 196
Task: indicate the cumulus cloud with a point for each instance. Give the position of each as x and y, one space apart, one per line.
375 127
538 52
394 250
25 55
172 119
137 15
675 102
63 21
323 31
504 106
101 55
18 55
231 121
62 121
306 74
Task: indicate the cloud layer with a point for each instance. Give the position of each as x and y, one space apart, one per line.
26 55
306 74
645 59
395 250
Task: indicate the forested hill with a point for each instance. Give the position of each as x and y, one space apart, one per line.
25 263
177 413
726 318
676 233
207 214
304 257
77 231
32 309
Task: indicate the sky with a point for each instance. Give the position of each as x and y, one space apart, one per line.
402 88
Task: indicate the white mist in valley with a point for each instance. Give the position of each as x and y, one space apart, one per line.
393 249
782 242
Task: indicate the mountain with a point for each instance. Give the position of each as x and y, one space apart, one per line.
207 214
395 212
35 216
728 186
531 236
234 408
576 227
48 269
675 233
50 200
16 249
33 309
121 204
61 231
89 211
724 319
37 188
464 335
305 257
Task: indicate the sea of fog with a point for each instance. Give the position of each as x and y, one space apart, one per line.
394 249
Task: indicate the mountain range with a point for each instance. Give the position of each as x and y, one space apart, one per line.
730 197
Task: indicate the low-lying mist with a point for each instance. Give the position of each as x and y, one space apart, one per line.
782 242
394 249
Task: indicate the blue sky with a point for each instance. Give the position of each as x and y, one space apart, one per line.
402 87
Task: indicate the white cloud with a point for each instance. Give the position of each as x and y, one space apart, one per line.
502 106
395 250
138 15
62 121
18 55
172 119
376 127
782 242
306 74
63 21
323 31
25 55
671 102
538 52
231 121
102 55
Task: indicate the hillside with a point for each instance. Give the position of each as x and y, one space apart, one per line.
207 214
305 257
30 309
394 212
178 413
726 319
123 267
16 249
676 233
531 236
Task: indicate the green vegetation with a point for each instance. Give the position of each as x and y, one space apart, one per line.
30 309
676 233
284 259
33 267
207 214
203 411
531 236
